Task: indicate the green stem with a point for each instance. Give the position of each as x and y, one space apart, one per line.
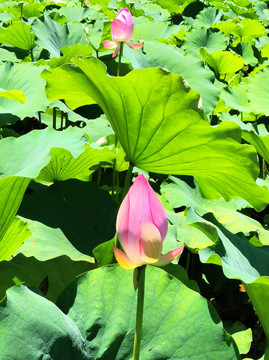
114 170
62 120
39 119
54 114
120 55
21 7
32 55
127 180
113 179
66 121
139 311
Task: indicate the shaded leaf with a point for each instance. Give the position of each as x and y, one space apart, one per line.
58 271
27 155
52 36
239 259
63 166
45 333
107 293
76 208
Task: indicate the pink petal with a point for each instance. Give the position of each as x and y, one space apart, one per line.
128 235
134 46
109 44
168 257
154 211
124 260
120 31
116 50
151 243
140 205
125 16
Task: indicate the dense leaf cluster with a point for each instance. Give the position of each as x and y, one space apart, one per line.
190 111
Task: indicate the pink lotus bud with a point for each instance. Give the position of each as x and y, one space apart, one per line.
141 228
122 29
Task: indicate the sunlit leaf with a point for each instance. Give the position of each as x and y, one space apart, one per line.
16 95
159 135
16 78
19 35
14 237
223 62
258 91
204 38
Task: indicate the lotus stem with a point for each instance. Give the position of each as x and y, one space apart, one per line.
139 310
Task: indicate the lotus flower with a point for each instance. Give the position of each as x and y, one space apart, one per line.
122 28
141 228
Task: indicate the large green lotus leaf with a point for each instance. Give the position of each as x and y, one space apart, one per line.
16 95
52 36
27 155
190 68
173 6
223 62
16 77
249 29
246 51
14 237
45 243
179 194
51 276
98 128
153 30
18 35
258 91
226 26
190 236
82 211
75 13
70 85
258 292
239 259
6 55
63 166
207 17
30 333
204 38
157 121
33 9
68 53
236 98
11 193
178 323
154 11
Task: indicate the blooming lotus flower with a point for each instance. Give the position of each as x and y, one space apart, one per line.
141 228
122 29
